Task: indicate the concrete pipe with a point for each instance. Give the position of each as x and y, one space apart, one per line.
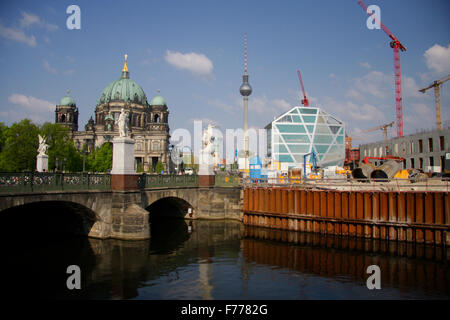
363 171
387 170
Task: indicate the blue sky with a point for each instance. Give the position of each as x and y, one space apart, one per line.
193 52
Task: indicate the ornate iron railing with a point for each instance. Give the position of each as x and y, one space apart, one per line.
227 180
48 181
167 180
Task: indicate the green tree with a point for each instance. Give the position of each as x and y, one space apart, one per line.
3 129
61 147
20 146
159 167
100 160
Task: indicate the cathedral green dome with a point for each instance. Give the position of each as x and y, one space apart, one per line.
67 101
158 101
123 90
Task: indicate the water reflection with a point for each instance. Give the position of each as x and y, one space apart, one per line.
404 266
226 260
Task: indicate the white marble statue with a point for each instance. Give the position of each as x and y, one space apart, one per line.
123 123
43 146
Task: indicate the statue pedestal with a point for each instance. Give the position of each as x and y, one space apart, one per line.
206 176
42 163
123 174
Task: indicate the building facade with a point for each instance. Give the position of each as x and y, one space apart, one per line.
303 130
424 150
148 122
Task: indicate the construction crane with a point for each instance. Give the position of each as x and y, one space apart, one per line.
397 46
304 101
437 99
382 127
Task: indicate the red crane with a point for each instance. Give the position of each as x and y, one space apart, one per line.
397 46
305 101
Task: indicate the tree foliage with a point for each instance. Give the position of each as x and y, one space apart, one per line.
100 160
61 147
159 167
20 146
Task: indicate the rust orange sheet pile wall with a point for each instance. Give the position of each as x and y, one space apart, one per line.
421 217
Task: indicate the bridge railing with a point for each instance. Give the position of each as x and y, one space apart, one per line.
228 180
48 181
167 180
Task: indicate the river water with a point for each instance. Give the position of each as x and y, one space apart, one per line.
227 260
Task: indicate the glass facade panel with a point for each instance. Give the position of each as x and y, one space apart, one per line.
296 119
299 148
321 148
309 119
313 130
308 111
296 138
291 128
323 139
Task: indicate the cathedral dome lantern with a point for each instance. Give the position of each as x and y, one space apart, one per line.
66 112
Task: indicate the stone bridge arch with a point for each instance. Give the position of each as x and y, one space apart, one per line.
94 207
171 203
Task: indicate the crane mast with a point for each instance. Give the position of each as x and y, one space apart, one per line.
437 99
305 101
398 47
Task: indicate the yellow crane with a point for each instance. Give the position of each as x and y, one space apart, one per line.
437 99
382 127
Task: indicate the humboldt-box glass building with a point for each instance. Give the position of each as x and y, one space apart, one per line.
302 130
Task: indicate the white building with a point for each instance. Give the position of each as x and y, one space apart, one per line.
303 130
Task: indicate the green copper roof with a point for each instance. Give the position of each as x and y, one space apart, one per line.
158 101
67 101
124 90
109 117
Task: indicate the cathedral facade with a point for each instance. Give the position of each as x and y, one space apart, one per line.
148 122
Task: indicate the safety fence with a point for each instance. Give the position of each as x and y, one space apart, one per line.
397 184
17 182
421 217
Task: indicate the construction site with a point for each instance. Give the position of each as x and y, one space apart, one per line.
306 145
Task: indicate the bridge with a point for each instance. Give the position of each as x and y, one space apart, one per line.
86 204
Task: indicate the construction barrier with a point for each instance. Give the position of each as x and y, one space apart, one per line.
420 217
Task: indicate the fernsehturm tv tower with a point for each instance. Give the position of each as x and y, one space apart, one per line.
245 90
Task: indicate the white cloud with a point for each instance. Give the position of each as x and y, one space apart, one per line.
194 62
31 103
230 108
69 72
17 35
437 59
38 110
29 19
48 67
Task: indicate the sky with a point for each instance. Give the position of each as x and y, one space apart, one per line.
193 51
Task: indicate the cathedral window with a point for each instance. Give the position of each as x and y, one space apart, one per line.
156 118
155 145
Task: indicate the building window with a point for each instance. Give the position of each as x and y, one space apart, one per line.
421 163
412 163
420 146
412 147
431 162
156 118
442 143
155 146
430 144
